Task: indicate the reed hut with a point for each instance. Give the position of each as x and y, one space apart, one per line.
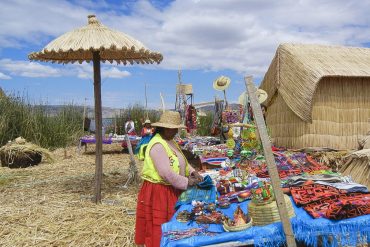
318 96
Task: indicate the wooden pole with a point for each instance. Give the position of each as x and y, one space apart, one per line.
98 130
272 169
132 171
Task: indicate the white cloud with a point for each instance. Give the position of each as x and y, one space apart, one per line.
204 34
34 69
28 69
85 71
4 77
114 73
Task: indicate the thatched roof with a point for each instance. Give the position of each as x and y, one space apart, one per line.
77 46
296 70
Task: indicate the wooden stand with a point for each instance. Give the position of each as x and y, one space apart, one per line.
132 170
272 169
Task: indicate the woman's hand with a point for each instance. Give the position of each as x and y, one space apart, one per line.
197 176
192 181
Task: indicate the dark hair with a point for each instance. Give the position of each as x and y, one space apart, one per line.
263 106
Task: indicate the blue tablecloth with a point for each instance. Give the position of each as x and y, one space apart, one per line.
347 232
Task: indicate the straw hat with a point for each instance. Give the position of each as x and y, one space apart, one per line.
261 95
147 121
170 120
221 83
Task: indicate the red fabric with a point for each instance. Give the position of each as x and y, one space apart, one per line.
155 206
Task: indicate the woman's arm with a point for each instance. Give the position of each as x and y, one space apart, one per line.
162 164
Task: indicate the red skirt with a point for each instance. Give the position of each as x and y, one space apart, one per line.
155 206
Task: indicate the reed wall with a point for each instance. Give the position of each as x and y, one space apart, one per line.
340 115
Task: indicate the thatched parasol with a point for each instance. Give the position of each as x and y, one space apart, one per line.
95 42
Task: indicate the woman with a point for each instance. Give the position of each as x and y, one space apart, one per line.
146 135
166 173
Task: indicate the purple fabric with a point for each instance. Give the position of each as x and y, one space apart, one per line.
93 140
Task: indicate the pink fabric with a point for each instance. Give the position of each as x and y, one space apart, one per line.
162 164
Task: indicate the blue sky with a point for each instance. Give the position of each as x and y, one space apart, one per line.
205 38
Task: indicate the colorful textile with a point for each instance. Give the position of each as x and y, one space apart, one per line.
197 194
144 140
155 206
181 234
341 206
213 161
306 194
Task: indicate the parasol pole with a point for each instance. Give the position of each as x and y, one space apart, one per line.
272 169
98 130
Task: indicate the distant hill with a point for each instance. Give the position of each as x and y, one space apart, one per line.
107 112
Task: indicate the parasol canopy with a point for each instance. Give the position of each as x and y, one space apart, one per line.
96 42
78 46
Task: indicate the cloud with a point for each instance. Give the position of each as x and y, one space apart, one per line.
85 71
4 77
28 69
34 69
114 73
199 34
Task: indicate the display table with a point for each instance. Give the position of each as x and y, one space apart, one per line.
109 140
347 232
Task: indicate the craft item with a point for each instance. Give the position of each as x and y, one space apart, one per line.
215 217
230 143
263 194
264 214
241 221
184 216
224 204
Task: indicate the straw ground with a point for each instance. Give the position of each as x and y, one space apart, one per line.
50 204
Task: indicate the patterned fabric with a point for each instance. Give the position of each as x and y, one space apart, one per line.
197 194
341 206
306 194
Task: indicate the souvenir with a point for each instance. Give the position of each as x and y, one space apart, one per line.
183 216
224 204
263 194
215 217
240 222
230 143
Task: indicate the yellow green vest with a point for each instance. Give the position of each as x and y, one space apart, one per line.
150 172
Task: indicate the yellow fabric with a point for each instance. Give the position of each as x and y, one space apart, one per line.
150 172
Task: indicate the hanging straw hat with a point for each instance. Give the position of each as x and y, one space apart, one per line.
221 83
261 95
147 121
170 120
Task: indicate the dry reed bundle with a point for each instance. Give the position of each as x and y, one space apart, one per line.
20 153
333 159
357 165
49 204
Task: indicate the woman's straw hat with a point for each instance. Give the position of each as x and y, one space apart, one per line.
261 96
147 121
221 83
170 120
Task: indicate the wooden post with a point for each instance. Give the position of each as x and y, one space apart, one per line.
132 171
98 129
272 169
